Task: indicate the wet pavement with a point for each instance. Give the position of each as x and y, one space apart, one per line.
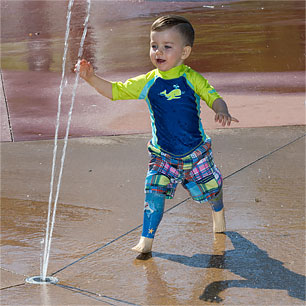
259 69
252 52
259 260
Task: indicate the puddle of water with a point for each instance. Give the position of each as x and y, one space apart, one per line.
260 36
23 227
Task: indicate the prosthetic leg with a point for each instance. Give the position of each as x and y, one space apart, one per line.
153 213
218 213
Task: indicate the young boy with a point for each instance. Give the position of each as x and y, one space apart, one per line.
180 150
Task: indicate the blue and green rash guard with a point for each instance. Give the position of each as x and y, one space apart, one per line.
173 98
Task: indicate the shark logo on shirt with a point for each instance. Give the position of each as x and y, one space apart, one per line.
173 94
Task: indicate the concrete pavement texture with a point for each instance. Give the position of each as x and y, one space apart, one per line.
258 261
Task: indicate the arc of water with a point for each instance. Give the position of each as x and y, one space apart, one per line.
49 230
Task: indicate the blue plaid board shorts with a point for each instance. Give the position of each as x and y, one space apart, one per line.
196 172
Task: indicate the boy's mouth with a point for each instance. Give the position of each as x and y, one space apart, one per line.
160 61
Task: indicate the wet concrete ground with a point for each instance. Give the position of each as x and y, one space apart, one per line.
252 52
258 69
259 261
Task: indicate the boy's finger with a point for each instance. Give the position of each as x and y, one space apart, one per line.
83 62
234 119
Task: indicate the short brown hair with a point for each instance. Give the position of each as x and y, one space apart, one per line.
179 22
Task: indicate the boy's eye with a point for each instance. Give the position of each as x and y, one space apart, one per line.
154 47
167 47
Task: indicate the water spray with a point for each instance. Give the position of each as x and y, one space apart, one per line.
43 279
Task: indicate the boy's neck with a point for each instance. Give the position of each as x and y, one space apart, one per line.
171 73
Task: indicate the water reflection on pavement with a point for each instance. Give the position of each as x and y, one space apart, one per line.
235 36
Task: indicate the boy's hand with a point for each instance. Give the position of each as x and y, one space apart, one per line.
225 118
86 70
222 115
87 73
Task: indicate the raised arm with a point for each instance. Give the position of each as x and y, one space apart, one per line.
222 115
87 73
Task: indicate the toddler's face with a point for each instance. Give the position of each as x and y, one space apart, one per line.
167 49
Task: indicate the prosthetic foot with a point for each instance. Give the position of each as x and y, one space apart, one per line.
144 245
153 213
218 221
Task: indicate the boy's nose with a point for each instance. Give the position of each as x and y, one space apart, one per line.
159 51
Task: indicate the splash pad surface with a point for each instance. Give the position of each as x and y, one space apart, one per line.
94 221
259 261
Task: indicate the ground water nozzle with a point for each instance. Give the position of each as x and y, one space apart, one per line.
38 280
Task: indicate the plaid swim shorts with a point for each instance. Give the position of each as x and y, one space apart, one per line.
196 172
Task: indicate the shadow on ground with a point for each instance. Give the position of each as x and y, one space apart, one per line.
254 265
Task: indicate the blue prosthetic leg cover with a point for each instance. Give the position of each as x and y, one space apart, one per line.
217 202
153 213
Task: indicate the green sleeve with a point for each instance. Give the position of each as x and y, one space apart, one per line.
130 89
203 88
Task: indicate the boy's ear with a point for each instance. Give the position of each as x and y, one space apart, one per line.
186 52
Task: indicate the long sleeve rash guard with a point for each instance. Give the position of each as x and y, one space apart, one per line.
173 98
